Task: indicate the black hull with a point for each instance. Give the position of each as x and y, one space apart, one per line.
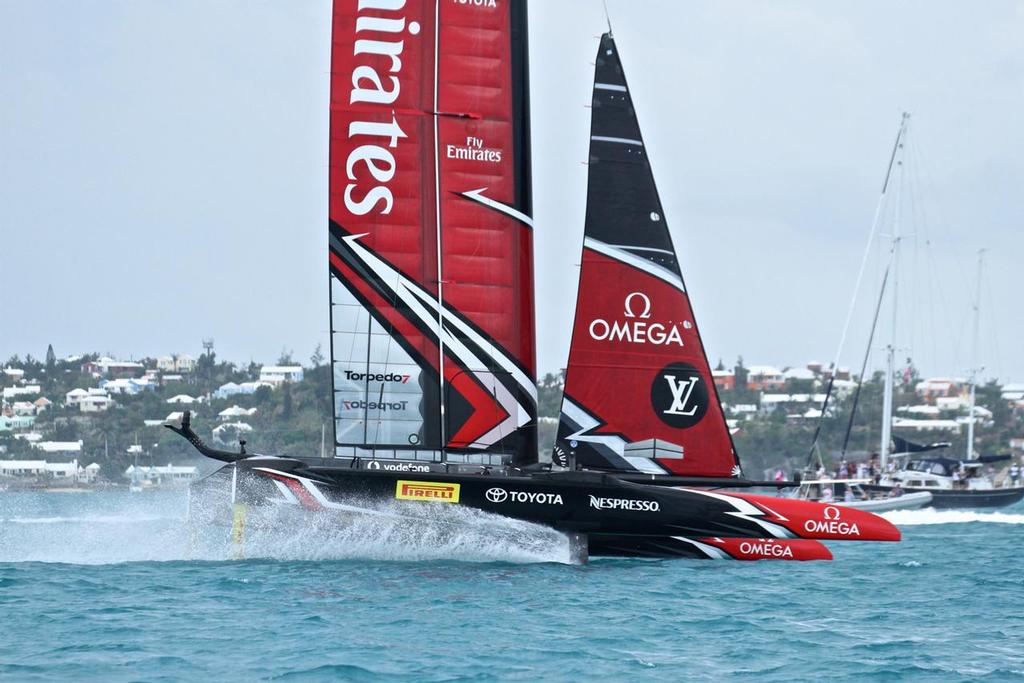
601 514
954 499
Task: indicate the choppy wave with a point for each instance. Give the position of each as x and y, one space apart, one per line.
929 516
86 519
940 606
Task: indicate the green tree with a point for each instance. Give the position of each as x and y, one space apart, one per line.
286 401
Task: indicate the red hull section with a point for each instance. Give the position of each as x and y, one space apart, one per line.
751 549
808 519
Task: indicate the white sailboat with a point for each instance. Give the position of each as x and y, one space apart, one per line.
952 482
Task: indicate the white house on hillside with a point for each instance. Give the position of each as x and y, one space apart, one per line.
74 397
279 374
19 408
1013 392
42 468
16 374
799 374
58 446
178 363
183 399
108 367
126 386
235 411
232 389
95 403
164 474
229 431
10 393
938 386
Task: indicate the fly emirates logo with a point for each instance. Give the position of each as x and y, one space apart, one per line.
635 327
380 36
473 150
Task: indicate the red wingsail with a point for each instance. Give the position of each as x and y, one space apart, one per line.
430 232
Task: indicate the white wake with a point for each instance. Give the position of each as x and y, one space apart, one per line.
114 528
929 516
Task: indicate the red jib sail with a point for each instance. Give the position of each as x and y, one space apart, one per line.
638 393
430 232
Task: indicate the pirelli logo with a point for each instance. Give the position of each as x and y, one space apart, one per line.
426 490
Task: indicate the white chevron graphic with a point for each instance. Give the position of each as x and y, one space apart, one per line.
425 306
477 196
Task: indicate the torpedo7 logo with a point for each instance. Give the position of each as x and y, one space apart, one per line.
679 395
376 377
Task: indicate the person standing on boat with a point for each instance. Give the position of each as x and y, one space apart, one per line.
1014 474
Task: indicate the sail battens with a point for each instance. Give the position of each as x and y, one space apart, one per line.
621 141
619 253
610 86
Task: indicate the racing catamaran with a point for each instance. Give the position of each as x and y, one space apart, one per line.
432 348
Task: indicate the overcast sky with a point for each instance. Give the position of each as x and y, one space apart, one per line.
163 170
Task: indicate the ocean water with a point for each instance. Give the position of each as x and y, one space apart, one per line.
115 587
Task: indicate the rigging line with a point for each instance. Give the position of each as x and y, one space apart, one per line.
999 367
930 279
944 237
927 277
914 286
860 277
944 222
867 354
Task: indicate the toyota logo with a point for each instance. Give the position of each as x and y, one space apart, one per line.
831 513
496 495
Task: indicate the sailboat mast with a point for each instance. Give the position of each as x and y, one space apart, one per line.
890 363
973 376
440 258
